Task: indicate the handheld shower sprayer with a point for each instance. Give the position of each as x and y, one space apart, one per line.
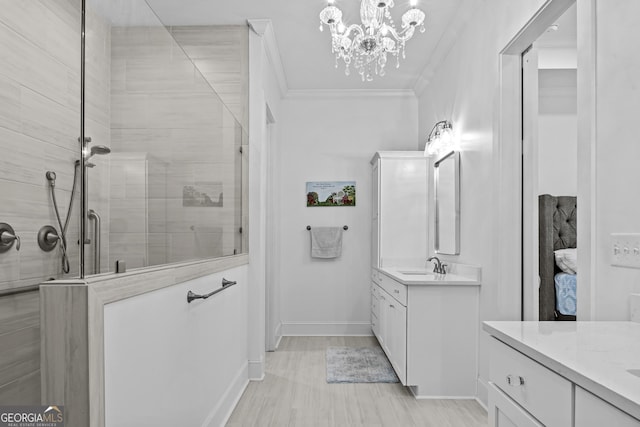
51 177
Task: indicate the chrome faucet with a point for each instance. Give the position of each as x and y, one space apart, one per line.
438 267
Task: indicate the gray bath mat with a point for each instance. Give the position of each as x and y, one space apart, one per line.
359 365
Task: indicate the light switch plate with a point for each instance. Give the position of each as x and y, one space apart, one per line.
625 250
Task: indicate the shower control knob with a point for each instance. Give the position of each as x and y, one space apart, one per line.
48 238
8 237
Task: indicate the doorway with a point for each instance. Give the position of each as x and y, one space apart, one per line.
549 151
511 180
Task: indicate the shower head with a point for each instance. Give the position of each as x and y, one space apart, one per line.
100 150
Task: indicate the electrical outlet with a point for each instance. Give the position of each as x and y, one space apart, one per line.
625 250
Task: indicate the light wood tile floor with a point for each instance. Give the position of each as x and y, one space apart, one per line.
295 393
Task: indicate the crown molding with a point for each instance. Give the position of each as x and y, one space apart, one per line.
264 29
350 93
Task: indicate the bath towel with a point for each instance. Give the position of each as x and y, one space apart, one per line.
326 242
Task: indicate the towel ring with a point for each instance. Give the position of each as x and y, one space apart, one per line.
345 227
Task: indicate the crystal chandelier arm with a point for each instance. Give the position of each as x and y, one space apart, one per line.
355 28
404 34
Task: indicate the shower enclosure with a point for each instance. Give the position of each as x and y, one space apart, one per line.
123 139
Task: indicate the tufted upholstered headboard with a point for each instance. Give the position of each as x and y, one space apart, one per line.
557 230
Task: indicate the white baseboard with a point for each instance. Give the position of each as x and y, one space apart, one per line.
483 393
278 335
481 403
278 339
306 329
223 410
256 369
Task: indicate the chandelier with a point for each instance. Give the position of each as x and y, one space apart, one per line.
365 46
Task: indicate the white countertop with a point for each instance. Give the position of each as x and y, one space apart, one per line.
460 275
594 355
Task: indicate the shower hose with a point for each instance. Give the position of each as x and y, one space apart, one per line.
51 176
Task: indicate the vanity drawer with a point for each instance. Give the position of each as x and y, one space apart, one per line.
374 300
540 391
393 288
375 276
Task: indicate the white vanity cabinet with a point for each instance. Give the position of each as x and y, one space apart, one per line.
429 333
521 386
399 213
391 321
591 411
561 374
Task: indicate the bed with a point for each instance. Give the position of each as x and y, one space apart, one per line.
557 232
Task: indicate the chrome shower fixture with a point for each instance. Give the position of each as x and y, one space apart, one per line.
48 237
86 164
98 149
51 177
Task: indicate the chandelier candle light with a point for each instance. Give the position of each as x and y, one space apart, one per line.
366 46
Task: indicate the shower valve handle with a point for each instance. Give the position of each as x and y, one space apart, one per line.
7 237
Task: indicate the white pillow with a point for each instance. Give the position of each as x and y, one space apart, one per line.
567 260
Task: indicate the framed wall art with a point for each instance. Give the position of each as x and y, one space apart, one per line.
331 193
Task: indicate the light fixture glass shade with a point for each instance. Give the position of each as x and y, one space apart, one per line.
440 138
412 17
330 15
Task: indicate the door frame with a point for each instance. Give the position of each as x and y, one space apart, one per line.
273 325
508 155
530 169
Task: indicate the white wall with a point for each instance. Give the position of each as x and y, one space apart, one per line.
331 137
557 133
617 207
465 89
558 154
170 363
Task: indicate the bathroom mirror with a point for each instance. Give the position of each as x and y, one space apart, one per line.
447 209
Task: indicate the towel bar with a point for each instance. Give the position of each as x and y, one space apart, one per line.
225 284
345 227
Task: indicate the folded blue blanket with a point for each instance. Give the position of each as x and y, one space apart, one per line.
565 293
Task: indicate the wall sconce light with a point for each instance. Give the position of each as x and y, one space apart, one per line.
440 138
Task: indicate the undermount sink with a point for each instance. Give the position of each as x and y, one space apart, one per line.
635 372
423 275
414 272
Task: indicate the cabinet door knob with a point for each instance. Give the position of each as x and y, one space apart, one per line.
396 291
392 306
